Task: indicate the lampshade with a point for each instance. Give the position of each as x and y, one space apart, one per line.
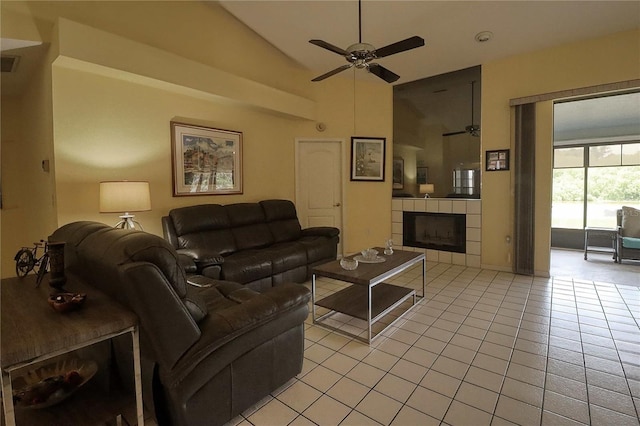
427 188
124 196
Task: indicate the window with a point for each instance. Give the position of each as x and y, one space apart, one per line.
568 157
605 155
630 154
568 198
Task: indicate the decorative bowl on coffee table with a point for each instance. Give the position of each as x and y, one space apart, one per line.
348 264
369 255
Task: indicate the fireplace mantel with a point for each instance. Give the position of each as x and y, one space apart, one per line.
471 208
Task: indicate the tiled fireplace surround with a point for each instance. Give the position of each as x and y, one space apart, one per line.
471 208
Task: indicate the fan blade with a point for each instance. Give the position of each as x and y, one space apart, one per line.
383 73
400 46
454 133
329 46
333 72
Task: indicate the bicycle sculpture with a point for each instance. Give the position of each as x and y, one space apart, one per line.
27 260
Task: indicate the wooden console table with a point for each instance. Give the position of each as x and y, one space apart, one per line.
33 332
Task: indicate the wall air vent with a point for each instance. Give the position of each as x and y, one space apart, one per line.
9 63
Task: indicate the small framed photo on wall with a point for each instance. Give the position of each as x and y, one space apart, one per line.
421 175
497 160
367 159
398 173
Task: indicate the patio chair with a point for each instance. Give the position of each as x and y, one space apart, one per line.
628 238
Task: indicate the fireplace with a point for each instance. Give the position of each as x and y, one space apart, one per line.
436 231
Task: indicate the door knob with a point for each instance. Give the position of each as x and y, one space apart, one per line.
336 205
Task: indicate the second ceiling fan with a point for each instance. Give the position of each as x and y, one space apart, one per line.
472 129
361 55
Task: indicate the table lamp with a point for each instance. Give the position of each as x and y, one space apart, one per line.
426 189
125 196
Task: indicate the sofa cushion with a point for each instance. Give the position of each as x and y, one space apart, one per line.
205 227
631 243
246 266
204 217
282 219
219 241
285 256
249 226
252 236
242 214
630 222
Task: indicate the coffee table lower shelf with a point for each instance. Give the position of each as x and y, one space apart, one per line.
354 301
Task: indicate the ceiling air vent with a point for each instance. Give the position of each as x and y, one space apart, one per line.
9 63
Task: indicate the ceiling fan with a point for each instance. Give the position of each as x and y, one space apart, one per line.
361 54
472 129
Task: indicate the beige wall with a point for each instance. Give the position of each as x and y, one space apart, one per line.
95 116
110 121
372 116
588 63
28 210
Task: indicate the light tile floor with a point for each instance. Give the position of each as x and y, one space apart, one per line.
483 348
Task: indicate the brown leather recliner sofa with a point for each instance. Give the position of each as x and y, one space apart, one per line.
258 244
214 351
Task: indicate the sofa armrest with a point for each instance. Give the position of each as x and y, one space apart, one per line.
187 263
321 231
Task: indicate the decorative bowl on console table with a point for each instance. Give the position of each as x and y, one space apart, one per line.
65 302
52 383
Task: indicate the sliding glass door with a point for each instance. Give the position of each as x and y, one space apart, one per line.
596 165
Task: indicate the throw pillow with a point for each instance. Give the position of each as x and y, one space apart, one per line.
630 222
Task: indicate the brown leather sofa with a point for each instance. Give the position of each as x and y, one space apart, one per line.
257 244
216 350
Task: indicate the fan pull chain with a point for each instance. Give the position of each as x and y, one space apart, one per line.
354 102
359 21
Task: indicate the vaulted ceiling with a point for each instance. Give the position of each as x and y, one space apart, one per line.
448 27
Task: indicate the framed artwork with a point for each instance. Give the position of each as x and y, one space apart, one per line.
206 161
421 175
398 173
367 159
497 160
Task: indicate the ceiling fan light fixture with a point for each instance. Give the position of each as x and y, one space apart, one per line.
361 54
473 130
361 48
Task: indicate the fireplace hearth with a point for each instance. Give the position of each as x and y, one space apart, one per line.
436 231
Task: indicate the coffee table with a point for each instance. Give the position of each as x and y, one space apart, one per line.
368 297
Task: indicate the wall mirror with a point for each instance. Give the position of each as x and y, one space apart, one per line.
436 127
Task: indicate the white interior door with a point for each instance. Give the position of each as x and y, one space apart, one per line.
319 183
